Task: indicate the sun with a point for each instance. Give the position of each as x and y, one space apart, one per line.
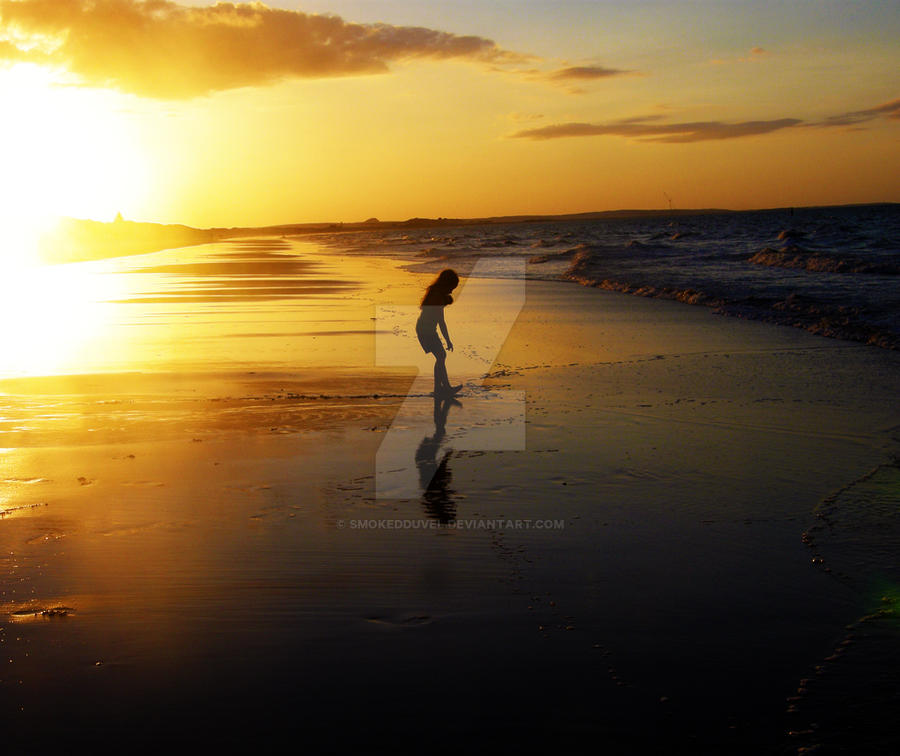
64 151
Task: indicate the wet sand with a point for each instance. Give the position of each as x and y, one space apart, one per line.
681 554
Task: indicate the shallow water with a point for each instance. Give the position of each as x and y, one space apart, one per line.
253 304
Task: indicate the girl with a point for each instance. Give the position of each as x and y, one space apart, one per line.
437 296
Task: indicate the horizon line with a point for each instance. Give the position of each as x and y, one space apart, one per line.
374 222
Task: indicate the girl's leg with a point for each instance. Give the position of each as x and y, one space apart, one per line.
441 381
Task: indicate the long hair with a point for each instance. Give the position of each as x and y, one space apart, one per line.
438 293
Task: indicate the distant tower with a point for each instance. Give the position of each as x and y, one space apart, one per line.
670 200
119 218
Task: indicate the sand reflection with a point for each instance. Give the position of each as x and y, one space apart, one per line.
184 308
434 474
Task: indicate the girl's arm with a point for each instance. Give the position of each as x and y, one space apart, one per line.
443 326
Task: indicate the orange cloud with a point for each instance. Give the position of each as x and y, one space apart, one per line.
157 48
8 51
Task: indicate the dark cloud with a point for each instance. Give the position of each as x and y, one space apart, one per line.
582 73
647 129
158 48
887 110
567 77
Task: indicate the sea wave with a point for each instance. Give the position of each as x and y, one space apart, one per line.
824 318
799 258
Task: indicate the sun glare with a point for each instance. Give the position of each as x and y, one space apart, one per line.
66 151
51 316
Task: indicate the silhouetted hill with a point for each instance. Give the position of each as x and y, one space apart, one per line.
76 240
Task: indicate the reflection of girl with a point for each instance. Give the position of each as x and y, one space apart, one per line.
437 296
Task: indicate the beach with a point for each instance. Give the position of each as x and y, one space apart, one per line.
642 523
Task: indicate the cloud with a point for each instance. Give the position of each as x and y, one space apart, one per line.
892 109
889 110
647 129
157 48
568 77
8 51
584 73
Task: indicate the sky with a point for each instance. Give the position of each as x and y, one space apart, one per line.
341 110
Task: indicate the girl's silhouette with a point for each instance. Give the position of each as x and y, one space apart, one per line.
437 296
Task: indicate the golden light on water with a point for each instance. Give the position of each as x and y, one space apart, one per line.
49 316
186 309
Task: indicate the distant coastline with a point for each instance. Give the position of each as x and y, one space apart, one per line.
78 240
420 222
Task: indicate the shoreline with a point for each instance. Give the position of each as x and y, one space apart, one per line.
879 338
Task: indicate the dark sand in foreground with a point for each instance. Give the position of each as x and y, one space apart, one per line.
232 575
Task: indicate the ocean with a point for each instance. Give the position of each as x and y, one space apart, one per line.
831 271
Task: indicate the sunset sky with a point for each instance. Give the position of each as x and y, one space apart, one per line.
327 110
